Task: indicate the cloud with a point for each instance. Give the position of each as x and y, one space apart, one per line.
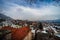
16 11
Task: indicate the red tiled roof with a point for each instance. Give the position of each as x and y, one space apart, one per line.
18 34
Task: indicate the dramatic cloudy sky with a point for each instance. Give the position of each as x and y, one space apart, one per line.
31 10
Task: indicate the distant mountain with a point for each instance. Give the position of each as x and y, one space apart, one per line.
2 16
52 21
57 21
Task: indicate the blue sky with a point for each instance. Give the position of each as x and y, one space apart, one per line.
37 10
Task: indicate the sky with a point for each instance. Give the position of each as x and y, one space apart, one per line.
31 9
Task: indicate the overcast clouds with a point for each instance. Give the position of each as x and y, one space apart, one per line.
45 12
